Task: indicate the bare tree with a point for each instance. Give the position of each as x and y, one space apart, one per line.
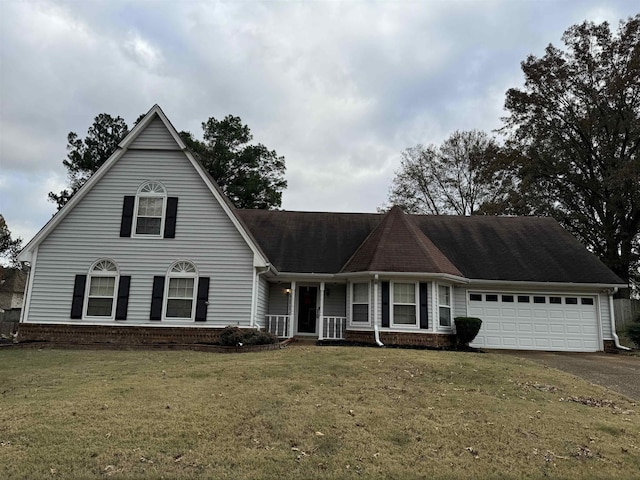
447 179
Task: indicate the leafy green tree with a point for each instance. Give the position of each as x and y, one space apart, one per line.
447 179
9 247
86 156
250 175
574 136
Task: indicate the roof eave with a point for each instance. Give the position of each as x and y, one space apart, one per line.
525 283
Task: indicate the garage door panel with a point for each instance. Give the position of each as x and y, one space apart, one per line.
537 326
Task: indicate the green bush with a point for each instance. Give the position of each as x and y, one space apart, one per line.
633 332
233 336
467 328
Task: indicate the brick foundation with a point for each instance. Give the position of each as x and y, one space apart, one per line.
432 340
610 346
115 335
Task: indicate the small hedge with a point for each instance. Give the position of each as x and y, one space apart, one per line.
633 332
466 329
234 337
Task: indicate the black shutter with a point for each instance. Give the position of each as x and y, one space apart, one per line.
127 216
78 296
123 297
157 296
170 219
385 303
424 318
203 299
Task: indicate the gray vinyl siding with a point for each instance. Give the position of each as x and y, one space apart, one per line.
263 302
335 300
459 303
155 136
278 299
605 316
204 236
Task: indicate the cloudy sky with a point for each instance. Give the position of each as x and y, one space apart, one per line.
338 88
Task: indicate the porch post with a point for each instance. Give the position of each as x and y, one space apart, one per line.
321 319
292 308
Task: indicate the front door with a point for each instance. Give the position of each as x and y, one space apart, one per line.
307 297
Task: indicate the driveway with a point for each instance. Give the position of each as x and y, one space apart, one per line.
619 372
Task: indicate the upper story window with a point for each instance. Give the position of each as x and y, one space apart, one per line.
444 305
150 209
181 290
404 303
360 303
102 289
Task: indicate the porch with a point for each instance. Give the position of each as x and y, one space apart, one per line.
307 309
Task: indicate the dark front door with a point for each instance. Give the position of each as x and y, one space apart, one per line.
307 297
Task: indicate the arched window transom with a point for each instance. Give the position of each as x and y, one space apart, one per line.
102 283
181 292
150 209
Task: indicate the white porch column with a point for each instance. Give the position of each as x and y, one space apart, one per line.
321 319
292 309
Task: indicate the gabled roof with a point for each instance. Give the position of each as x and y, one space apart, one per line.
397 245
155 112
517 249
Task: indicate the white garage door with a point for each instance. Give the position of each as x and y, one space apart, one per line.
529 321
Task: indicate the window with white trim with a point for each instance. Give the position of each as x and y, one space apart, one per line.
102 281
444 305
180 294
150 209
404 303
360 303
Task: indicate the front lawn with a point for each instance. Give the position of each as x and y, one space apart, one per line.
306 412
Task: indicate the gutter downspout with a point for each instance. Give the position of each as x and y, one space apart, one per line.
255 297
613 321
376 330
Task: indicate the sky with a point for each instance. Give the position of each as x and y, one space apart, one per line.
339 88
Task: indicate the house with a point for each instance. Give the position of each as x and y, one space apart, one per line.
150 250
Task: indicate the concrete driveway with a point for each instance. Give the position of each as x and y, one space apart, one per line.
619 372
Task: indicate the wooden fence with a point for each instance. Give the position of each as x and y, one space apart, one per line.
625 311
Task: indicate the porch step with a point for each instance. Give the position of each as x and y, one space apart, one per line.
304 340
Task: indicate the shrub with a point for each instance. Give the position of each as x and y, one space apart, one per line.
233 336
467 328
633 332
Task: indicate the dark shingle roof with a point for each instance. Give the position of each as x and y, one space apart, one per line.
479 247
397 245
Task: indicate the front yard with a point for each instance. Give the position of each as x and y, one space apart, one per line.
306 412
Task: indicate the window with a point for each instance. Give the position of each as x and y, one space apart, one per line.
555 300
523 299
181 291
475 297
571 301
507 298
586 301
150 208
444 305
539 300
491 298
360 307
404 303
102 289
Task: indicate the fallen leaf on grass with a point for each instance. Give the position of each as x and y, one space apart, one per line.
473 452
319 434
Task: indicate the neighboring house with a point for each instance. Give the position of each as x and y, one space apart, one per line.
12 284
150 248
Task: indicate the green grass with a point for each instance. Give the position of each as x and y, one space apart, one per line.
306 412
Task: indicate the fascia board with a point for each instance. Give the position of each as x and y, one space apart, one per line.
559 285
25 254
